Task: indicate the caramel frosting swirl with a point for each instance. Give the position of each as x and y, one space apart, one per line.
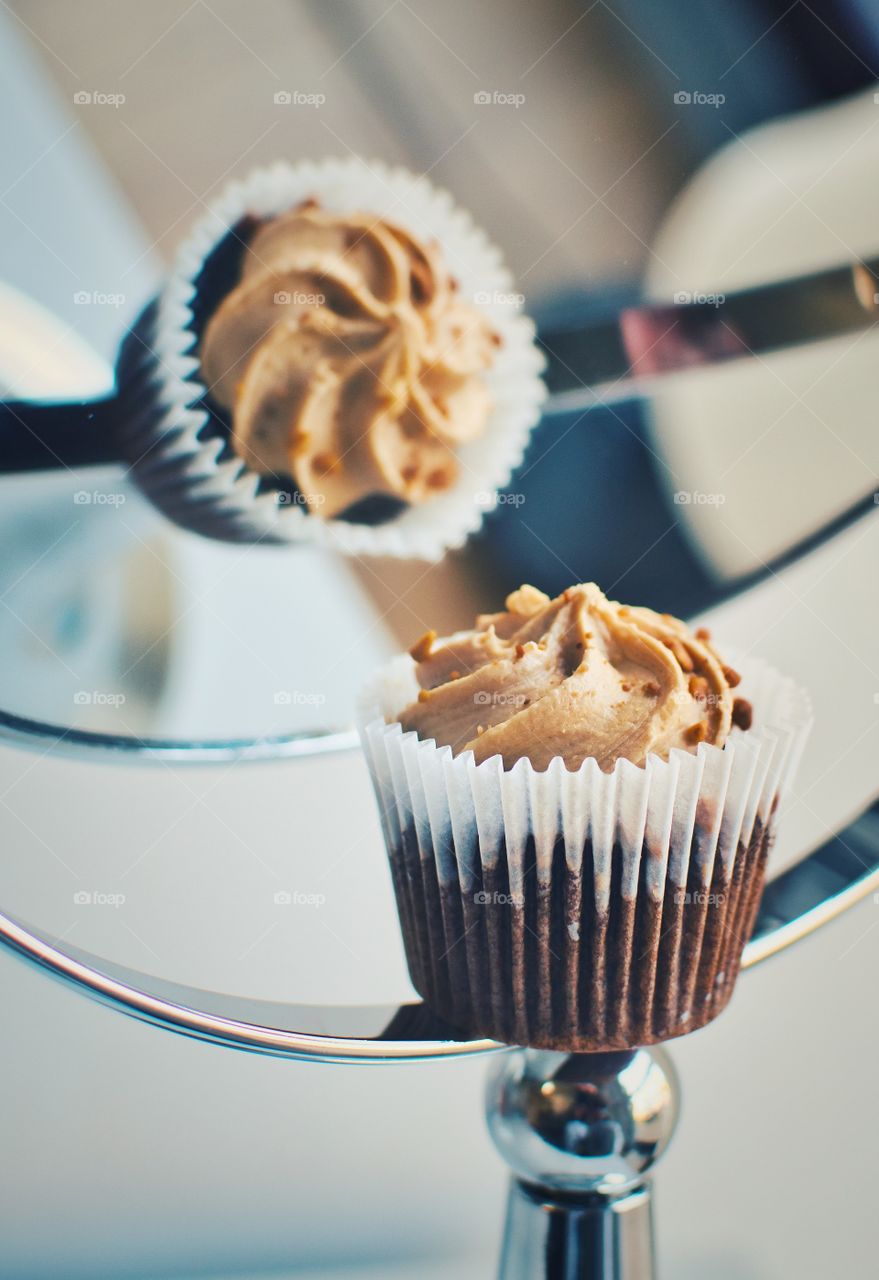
577 677
347 359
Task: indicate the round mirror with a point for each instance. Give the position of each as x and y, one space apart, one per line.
114 622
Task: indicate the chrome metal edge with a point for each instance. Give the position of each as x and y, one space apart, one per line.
190 1014
53 739
838 875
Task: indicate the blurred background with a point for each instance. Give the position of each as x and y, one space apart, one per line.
615 151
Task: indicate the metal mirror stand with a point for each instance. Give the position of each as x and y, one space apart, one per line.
580 1133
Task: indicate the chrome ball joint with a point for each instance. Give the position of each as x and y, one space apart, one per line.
581 1133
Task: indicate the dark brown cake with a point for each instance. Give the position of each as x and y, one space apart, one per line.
546 969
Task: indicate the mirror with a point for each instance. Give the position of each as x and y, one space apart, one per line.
112 621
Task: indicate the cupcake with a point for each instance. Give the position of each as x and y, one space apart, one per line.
345 362
578 800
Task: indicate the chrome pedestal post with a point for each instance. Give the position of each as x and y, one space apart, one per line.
581 1133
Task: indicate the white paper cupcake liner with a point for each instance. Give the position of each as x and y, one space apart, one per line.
204 467
580 910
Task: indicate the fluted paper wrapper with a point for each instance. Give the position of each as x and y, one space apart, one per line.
202 462
582 911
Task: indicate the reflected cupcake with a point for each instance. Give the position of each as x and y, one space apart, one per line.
578 799
347 362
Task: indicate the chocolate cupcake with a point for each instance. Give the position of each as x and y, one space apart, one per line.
347 361
578 800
